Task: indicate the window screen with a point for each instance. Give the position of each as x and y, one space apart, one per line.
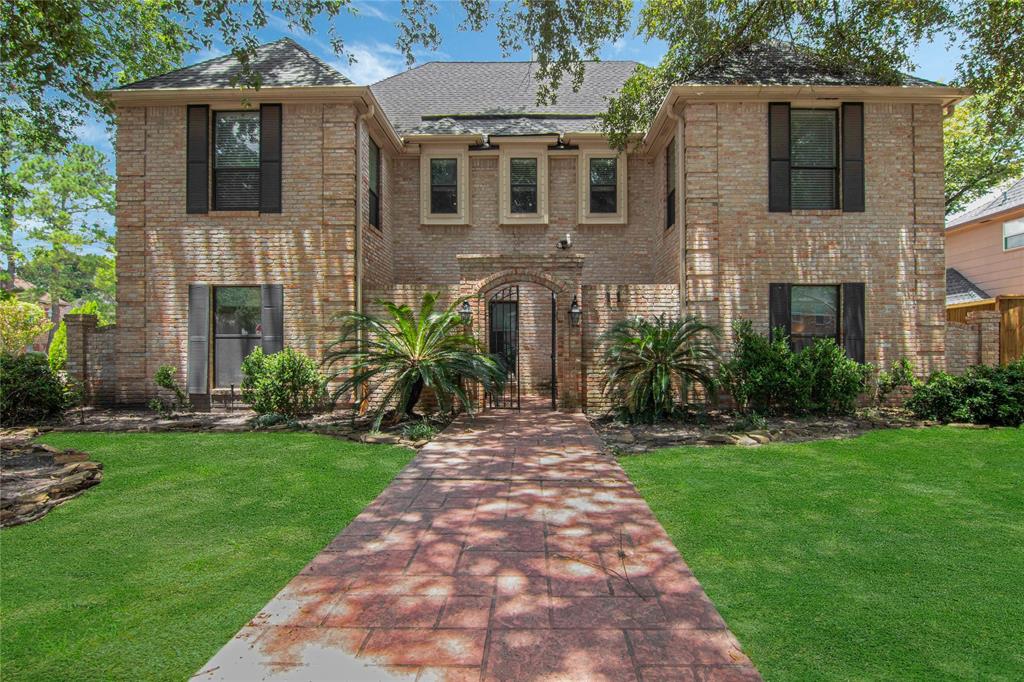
374 159
814 158
523 190
814 314
444 189
1013 234
236 331
603 185
236 160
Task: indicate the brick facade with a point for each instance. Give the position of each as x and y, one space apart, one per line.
729 246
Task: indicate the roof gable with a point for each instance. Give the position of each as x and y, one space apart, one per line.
282 63
775 62
485 97
959 289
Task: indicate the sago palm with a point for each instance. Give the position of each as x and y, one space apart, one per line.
652 363
392 358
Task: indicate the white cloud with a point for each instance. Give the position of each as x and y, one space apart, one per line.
372 62
93 132
370 9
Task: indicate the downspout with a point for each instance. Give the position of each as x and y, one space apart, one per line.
359 393
680 202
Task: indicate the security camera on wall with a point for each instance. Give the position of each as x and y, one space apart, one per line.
565 242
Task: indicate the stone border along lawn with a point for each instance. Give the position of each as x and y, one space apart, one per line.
729 428
895 555
147 575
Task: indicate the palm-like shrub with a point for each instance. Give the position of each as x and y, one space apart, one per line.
652 364
395 356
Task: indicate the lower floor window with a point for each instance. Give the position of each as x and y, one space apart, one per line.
813 314
236 331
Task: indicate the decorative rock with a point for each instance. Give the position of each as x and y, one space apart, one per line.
962 425
760 437
746 441
720 438
35 478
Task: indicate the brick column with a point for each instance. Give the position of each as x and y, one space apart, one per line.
700 183
79 329
929 238
339 217
130 218
988 323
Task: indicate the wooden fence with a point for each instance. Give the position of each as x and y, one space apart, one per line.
1011 322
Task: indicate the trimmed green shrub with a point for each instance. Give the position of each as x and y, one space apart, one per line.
285 383
652 363
899 375
30 391
765 376
982 395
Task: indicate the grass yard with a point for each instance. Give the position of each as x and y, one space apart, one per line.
896 555
147 575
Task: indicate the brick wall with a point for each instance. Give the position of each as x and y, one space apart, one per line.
309 247
975 342
626 253
91 363
736 248
603 306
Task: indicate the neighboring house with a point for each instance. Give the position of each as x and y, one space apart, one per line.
985 264
41 344
985 243
766 190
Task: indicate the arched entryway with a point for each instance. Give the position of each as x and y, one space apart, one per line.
522 330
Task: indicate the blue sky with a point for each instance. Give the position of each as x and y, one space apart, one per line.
370 38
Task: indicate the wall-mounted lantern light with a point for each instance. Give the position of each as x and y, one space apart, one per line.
575 312
466 313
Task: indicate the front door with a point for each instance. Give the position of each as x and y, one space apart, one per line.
503 342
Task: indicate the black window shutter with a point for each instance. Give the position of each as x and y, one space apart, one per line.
198 338
853 157
778 308
272 318
778 157
853 320
197 173
270 158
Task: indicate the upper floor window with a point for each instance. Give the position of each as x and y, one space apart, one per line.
444 186
236 160
814 158
523 185
670 184
1013 234
374 172
603 185
245 154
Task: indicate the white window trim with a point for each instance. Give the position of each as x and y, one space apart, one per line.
1018 225
583 181
505 188
461 216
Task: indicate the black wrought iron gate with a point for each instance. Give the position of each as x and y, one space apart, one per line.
503 340
554 349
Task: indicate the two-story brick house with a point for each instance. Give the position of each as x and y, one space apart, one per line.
766 190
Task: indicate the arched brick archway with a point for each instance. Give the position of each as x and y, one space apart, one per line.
481 275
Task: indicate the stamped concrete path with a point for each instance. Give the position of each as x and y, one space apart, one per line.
510 548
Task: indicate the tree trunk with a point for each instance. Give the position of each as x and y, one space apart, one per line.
414 397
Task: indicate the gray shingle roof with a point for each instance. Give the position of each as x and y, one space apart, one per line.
779 63
282 63
959 289
1002 199
494 90
503 126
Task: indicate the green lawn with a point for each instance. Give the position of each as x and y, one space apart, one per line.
897 555
145 576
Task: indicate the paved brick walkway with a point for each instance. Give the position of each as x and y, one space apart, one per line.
510 548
